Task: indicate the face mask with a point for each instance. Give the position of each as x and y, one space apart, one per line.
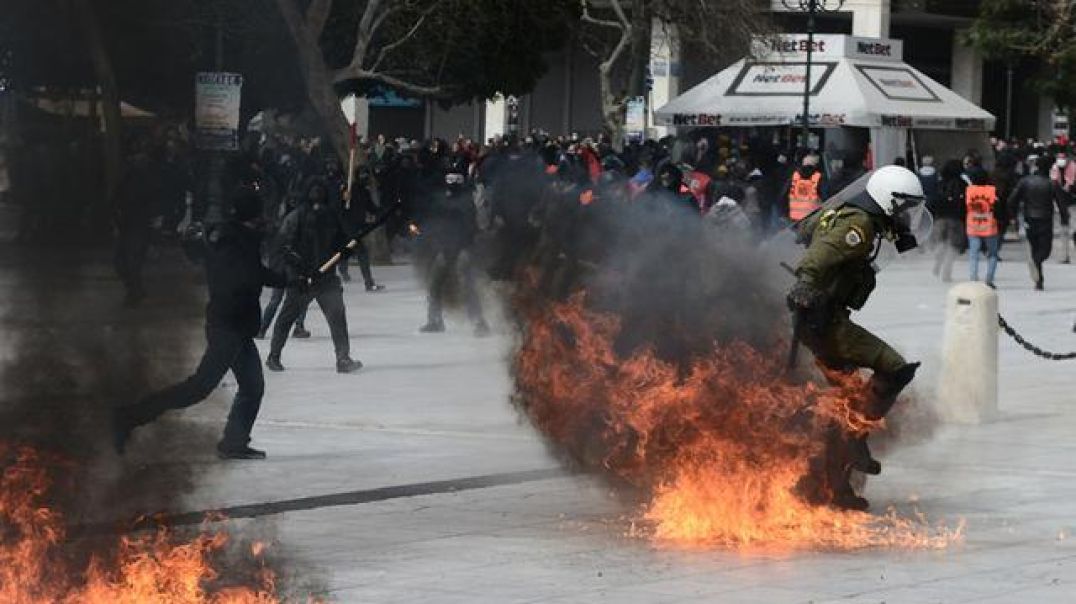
1062 162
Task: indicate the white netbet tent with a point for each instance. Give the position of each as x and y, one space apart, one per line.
855 82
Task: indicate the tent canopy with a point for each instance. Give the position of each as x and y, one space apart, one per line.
855 81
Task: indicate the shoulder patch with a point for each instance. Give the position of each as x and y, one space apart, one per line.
854 236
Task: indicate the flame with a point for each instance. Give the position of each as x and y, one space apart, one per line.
148 567
719 447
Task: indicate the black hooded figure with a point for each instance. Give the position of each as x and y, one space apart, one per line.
235 276
447 224
309 236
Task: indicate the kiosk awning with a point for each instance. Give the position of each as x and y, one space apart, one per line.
859 82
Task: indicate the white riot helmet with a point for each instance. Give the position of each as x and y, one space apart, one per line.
898 192
895 189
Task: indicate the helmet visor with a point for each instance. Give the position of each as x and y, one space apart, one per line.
915 218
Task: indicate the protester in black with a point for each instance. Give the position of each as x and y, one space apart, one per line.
447 225
235 276
1037 196
310 235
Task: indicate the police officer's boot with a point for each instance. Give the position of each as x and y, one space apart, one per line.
845 498
859 456
885 387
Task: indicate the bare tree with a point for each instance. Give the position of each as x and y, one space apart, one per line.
449 50
617 33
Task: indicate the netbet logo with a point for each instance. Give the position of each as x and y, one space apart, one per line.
874 48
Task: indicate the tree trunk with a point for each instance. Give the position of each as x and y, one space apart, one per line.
639 50
321 91
612 108
110 98
319 81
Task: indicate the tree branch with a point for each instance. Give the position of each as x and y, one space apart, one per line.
397 83
625 37
316 16
368 24
588 18
386 49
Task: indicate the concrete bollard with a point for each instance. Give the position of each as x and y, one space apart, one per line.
968 386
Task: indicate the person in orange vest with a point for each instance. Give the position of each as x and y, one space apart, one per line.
981 226
805 190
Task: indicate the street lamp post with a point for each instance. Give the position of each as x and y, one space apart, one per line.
812 8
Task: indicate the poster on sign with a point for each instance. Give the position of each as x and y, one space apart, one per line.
216 110
635 119
779 79
898 83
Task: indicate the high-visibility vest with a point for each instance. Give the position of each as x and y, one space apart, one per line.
803 197
980 200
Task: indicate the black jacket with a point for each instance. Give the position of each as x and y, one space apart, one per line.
235 275
448 219
1038 195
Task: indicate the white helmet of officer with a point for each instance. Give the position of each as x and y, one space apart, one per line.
895 189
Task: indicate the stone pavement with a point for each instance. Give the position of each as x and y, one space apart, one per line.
432 412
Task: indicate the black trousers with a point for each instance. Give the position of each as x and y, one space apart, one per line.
1040 234
445 261
330 297
274 305
226 350
363 256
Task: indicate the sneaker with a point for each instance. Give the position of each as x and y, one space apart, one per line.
122 426
348 365
991 285
273 363
433 327
481 329
300 332
226 451
374 288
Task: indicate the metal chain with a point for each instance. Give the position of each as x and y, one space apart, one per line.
1035 350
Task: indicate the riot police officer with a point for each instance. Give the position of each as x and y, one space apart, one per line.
834 277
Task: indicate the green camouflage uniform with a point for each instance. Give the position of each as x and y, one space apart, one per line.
838 265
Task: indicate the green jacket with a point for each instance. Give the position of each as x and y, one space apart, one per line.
839 255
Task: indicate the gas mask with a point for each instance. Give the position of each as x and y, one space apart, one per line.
454 183
912 223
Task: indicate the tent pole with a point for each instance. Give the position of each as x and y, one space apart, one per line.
812 6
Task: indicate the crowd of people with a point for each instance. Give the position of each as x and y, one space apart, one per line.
748 183
975 208
462 209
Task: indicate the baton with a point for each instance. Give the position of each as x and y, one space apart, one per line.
797 322
356 239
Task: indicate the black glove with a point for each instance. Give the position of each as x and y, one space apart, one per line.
303 283
805 297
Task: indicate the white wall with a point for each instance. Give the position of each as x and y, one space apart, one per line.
967 70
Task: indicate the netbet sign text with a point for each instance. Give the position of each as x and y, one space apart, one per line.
786 46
